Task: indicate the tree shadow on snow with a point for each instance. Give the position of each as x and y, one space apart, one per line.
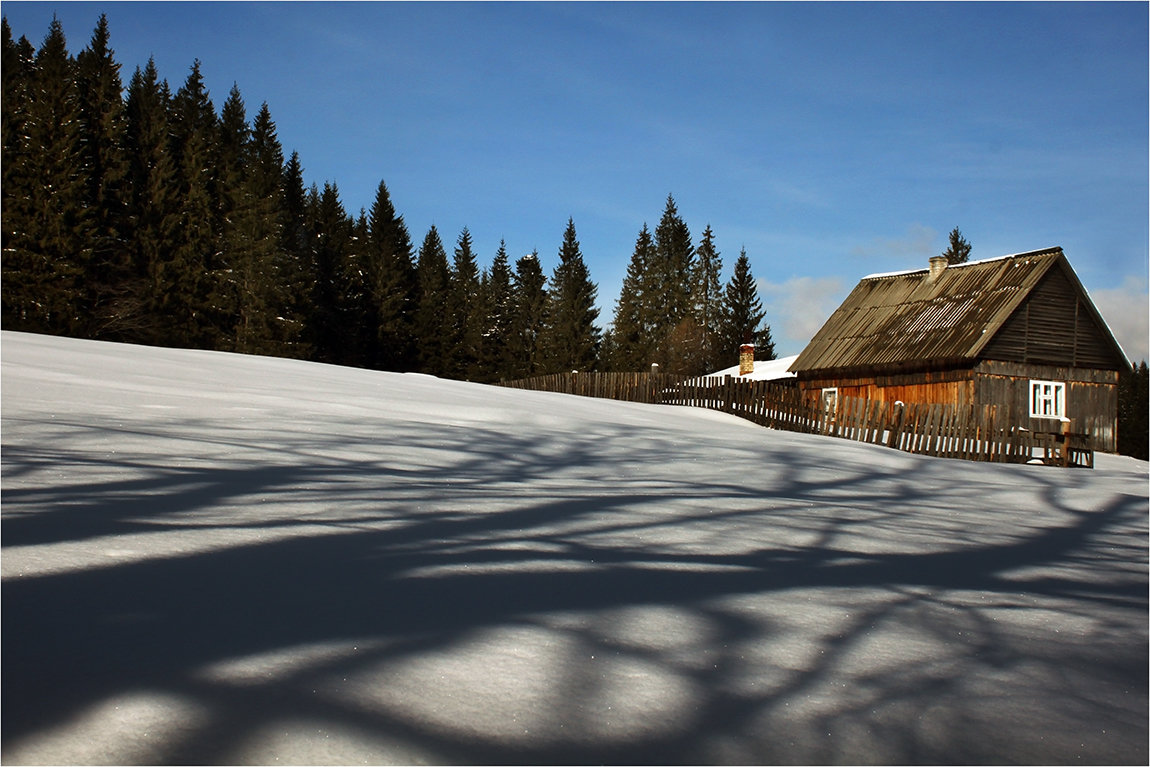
413 562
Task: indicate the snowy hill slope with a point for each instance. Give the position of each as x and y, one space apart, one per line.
213 558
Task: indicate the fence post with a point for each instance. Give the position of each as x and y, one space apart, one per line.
990 434
1065 444
912 426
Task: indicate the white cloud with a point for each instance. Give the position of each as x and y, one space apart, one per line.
797 308
1126 310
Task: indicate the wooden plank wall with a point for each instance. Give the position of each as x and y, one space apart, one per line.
1092 398
948 385
965 432
1054 327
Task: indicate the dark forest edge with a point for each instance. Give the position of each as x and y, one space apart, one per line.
142 216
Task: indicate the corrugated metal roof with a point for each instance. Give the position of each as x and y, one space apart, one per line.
907 317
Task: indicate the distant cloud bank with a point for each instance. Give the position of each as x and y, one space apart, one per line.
797 308
1127 312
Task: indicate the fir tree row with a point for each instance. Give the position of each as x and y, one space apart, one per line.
144 217
1134 412
673 309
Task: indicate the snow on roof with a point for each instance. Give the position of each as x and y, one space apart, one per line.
765 370
956 266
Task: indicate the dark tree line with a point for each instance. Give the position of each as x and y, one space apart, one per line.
142 215
1133 416
674 310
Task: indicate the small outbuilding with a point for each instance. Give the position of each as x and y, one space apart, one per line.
1018 332
775 371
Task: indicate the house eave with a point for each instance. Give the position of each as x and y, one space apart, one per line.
909 367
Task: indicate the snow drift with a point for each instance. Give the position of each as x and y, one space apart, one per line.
213 558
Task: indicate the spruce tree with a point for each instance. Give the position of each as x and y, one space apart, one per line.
246 284
500 313
296 268
529 317
18 176
433 320
466 310
394 286
234 267
684 350
15 98
266 157
49 241
707 301
265 185
672 268
571 339
743 314
958 251
332 232
632 332
233 143
142 312
197 317
358 310
104 144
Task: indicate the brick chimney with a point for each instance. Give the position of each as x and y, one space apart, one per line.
746 359
938 265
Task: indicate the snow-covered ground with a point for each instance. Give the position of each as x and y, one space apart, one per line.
213 558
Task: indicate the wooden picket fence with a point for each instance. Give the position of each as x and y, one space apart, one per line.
627 387
948 431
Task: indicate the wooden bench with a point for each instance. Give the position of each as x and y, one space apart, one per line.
1065 448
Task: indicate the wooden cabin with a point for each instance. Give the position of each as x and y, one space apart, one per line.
1018 332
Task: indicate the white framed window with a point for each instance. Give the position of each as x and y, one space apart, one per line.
1047 399
830 400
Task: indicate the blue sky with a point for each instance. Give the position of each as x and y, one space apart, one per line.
830 140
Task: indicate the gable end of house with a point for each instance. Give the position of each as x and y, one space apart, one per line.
1056 324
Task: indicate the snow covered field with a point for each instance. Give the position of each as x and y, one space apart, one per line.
212 558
